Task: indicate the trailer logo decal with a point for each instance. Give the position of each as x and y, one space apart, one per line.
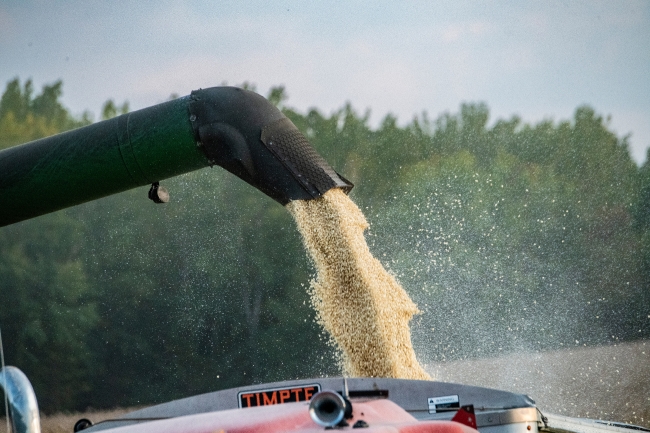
439 404
266 397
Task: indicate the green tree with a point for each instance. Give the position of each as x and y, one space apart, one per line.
110 110
47 304
642 221
24 117
541 253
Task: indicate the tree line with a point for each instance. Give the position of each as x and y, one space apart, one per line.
509 236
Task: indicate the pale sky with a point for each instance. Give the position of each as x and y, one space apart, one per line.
538 60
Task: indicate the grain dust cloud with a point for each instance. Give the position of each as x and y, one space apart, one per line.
362 307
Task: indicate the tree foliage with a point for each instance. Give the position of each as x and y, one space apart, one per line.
510 236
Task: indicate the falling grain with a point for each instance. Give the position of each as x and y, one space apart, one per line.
361 306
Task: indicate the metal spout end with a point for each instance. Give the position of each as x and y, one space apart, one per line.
247 135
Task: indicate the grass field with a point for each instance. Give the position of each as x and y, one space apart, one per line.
608 382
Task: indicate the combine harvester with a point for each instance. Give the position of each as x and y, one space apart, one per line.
242 132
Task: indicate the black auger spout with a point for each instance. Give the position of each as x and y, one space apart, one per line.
227 126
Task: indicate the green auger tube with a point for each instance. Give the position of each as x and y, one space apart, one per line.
227 126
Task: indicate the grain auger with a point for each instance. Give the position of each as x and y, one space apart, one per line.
236 129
